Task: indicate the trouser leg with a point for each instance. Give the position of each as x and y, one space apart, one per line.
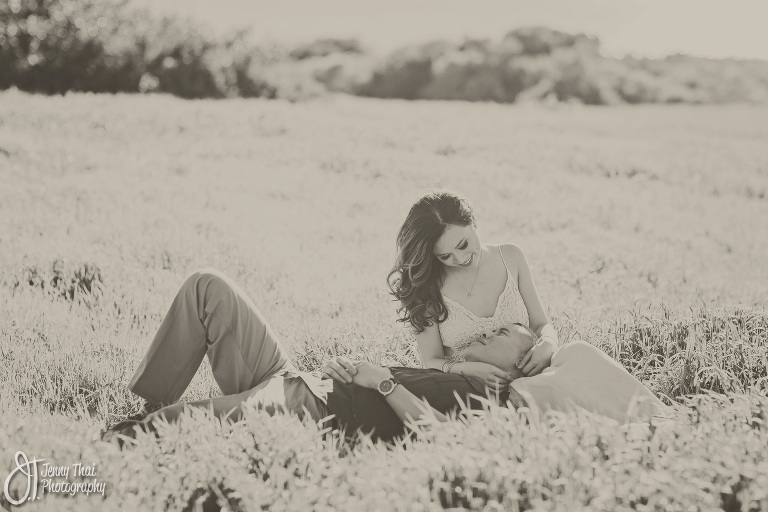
275 394
212 315
269 394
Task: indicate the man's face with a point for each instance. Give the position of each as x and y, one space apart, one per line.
507 345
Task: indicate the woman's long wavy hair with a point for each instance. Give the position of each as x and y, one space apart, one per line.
417 276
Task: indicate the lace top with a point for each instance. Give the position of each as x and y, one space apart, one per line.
462 327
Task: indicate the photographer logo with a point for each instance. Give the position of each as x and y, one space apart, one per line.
43 477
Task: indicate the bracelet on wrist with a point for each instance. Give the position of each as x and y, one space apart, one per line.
446 368
541 339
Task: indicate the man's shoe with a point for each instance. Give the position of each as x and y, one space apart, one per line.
126 429
117 433
146 409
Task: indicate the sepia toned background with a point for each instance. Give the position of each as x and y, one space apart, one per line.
621 145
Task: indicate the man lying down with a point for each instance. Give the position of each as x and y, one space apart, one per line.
380 400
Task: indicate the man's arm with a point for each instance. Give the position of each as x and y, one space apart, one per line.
406 405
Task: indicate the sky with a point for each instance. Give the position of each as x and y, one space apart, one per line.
644 28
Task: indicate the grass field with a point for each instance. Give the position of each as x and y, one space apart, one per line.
646 229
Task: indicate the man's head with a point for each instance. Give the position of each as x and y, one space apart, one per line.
504 348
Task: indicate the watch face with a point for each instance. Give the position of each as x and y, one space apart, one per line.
386 386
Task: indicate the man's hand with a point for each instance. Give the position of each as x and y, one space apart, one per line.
369 375
491 376
537 358
361 373
341 370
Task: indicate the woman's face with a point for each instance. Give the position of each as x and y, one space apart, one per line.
458 247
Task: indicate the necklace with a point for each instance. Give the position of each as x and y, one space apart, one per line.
469 292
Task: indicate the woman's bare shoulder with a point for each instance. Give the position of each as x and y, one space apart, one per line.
511 251
513 256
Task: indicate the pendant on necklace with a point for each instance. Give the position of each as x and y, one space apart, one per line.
469 295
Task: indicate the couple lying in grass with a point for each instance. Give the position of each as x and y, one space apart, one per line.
477 319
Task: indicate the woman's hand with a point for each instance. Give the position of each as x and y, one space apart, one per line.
537 358
341 370
491 376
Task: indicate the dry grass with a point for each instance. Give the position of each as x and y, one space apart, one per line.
645 227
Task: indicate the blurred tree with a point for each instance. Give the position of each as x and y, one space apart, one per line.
53 46
543 40
406 72
325 47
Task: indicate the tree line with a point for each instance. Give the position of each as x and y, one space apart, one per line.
55 46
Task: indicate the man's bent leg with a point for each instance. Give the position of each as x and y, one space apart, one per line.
210 314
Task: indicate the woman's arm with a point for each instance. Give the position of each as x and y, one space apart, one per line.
433 356
431 347
540 356
537 317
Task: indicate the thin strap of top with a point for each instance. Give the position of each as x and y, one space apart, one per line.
502 259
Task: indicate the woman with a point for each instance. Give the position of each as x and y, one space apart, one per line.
456 291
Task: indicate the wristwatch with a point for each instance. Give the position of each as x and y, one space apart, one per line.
386 386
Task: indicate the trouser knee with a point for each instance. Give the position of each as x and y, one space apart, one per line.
207 273
210 280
